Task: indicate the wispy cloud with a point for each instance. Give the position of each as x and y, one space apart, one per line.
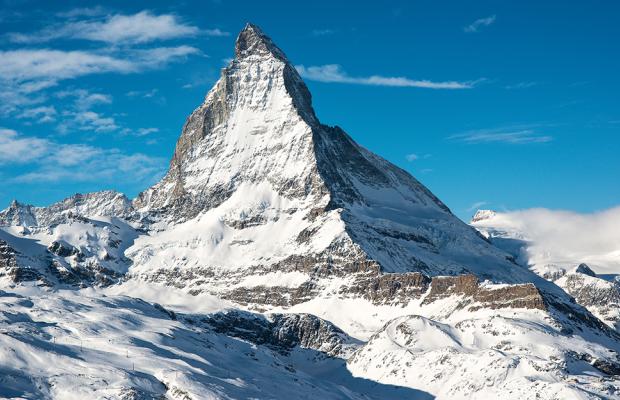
83 12
94 121
477 205
334 73
146 131
84 99
216 32
17 149
509 135
479 23
147 94
42 68
322 32
49 161
142 27
29 64
40 114
415 156
521 85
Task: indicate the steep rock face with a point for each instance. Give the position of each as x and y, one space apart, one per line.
9 267
525 295
282 332
599 296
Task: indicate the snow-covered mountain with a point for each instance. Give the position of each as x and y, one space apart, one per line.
259 187
275 246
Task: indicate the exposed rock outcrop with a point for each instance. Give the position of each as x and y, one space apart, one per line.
282 332
502 296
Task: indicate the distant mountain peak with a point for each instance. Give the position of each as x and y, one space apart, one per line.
482 215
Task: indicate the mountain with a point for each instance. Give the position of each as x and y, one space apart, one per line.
277 258
264 186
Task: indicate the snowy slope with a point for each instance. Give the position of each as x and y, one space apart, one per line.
88 345
517 356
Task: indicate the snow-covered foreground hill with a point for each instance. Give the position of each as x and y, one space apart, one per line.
279 259
89 345
105 343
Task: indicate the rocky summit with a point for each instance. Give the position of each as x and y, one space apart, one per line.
277 258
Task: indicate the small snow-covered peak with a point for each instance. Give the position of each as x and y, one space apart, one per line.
482 215
253 41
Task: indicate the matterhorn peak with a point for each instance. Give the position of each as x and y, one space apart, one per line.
255 160
253 41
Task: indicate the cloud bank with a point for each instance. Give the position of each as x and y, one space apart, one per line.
142 27
565 236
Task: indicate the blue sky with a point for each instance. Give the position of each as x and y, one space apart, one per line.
504 105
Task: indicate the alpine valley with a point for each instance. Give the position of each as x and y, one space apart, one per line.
278 259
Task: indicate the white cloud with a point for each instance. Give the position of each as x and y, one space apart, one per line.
509 135
50 161
84 100
479 23
159 57
412 157
79 114
335 73
566 236
142 27
92 121
146 131
41 113
17 149
44 67
54 65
